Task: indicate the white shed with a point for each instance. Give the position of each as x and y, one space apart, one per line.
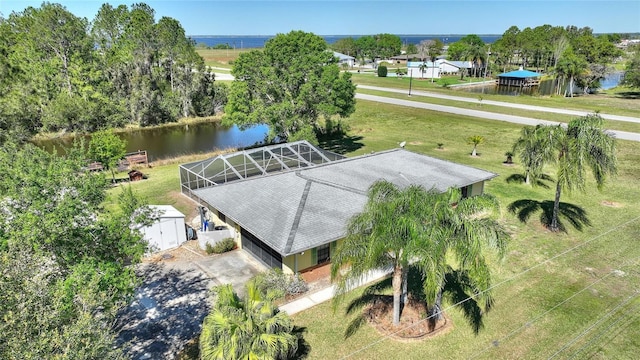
168 231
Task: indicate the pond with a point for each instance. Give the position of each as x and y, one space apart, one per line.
170 141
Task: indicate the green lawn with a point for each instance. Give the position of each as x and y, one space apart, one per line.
541 115
551 291
620 101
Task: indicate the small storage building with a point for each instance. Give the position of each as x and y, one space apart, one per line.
168 231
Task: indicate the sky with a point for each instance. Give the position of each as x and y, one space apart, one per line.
368 17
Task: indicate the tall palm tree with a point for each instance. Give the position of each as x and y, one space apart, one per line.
434 50
385 235
422 67
249 328
458 230
424 227
534 150
582 144
570 66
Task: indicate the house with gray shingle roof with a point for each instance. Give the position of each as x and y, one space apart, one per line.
293 219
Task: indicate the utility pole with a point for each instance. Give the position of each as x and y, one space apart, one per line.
410 78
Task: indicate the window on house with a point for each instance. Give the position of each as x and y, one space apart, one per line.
222 217
324 253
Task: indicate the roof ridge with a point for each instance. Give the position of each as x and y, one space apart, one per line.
296 219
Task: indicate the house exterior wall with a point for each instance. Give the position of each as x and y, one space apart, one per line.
427 74
299 262
477 188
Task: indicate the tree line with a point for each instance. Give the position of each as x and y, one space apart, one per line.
574 55
60 72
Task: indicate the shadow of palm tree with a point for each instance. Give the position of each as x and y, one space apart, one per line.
304 349
459 289
574 214
520 179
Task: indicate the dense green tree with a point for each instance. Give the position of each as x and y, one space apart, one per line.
64 261
346 46
387 45
249 328
60 73
632 72
288 86
108 149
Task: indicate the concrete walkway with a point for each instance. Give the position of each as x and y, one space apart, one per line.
623 135
320 296
501 103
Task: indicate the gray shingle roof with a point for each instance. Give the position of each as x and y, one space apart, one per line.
298 210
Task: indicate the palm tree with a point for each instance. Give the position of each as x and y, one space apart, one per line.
458 229
475 141
570 65
385 235
534 151
582 144
426 227
422 67
249 328
434 50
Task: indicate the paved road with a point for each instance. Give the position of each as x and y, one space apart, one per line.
481 114
501 103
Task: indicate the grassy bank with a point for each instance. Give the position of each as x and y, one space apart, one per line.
132 127
573 292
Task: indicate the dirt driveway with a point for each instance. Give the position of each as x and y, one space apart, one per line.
172 302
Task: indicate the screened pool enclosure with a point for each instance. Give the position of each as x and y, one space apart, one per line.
252 162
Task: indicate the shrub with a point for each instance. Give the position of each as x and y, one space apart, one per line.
220 247
382 71
281 284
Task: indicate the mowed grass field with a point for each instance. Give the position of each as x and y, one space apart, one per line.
566 295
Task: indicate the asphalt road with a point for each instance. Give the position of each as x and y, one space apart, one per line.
623 135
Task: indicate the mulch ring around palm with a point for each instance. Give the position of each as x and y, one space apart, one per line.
413 323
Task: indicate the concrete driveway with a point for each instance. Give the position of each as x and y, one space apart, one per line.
170 305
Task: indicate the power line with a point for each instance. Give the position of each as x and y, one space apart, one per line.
494 286
571 342
527 324
604 331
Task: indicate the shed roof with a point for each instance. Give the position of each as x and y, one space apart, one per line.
298 210
167 211
521 74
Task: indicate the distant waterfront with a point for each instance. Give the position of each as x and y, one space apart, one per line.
258 41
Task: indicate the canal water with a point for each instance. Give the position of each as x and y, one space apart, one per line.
546 87
170 141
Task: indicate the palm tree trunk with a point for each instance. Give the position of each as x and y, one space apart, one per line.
556 209
397 293
436 311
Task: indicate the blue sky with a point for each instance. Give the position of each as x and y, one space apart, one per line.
363 17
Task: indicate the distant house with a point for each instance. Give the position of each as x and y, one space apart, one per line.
289 204
453 67
345 59
423 70
519 78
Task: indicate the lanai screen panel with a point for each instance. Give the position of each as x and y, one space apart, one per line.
253 162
